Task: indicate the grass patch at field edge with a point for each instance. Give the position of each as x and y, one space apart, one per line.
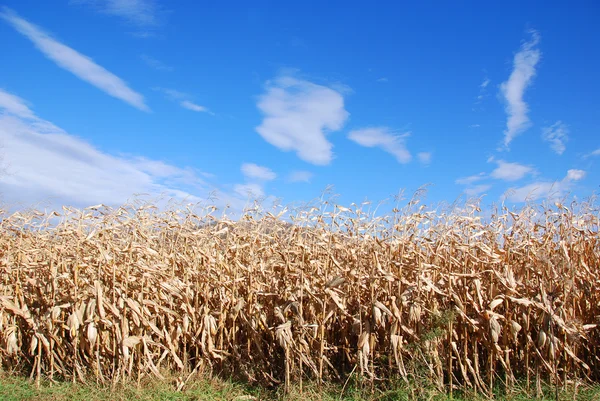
20 389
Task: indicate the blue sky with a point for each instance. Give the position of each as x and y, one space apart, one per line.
100 99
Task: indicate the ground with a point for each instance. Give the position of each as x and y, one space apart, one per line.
18 389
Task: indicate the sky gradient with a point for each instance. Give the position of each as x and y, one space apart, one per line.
104 99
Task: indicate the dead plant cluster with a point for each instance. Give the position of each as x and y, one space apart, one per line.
462 298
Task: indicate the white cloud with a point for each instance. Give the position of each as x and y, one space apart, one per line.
575 175
52 165
47 164
251 190
545 189
524 69
298 115
383 80
557 134
474 126
510 171
385 139
533 192
482 93
143 13
14 105
186 104
172 94
471 189
81 66
424 157
593 153
471 179
300 176
477 189
258 176
251 170
183 99
156 64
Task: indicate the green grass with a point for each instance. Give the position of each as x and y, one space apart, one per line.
17 389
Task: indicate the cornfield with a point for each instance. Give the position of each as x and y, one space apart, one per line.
462 298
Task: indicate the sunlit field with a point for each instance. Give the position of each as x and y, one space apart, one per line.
323 294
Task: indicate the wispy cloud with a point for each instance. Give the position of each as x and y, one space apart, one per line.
469 182
48 165
256 176
298 115
183 99
474 126
300 176
383 79
483 93
251 190
156 64
511 171
81 66
186 104
557 134
470 179
524 69
142 13
545 189
425 157
254 171
477 189
14 105
593 153
384 138
172 94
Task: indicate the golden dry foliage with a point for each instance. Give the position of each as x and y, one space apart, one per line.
450 296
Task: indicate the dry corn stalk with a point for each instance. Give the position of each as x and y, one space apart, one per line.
134 291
